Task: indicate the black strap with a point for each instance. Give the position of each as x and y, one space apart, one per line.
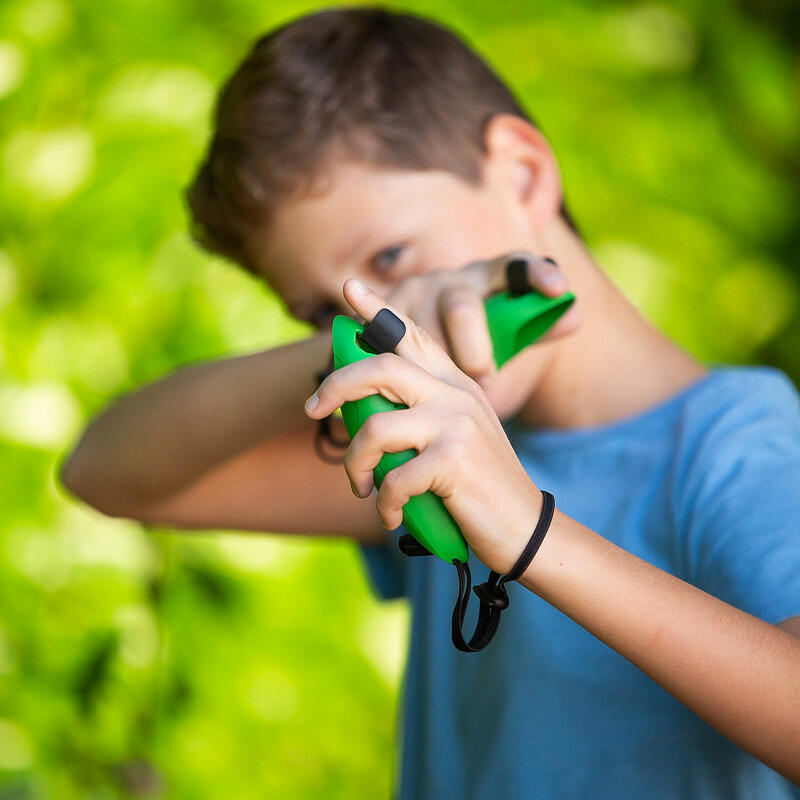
492 593
410 547
488 615
323 432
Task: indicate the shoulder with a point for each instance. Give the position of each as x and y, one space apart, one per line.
739 443
741 428
737 503
751 390
736 404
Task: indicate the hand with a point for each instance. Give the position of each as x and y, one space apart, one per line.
448 304
464 455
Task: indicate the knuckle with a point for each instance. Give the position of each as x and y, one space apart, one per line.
374 426
352 468
459 305
329 385
457 295
463 425
475 265
385 362
538 267
526 255
453 452
391 495
392 480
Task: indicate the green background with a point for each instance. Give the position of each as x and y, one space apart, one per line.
146 662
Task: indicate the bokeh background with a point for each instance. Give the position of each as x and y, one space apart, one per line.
141 661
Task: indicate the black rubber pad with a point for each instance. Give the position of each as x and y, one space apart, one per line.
517 277
384 333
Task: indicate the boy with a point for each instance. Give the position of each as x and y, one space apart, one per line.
652 648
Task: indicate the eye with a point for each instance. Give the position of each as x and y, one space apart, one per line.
323 316
387 257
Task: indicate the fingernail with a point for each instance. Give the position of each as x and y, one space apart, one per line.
358 287
312 402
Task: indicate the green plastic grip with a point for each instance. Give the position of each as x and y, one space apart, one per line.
514 323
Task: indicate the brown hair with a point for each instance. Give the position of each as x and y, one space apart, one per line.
386 88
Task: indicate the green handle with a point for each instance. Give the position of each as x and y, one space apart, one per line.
514 323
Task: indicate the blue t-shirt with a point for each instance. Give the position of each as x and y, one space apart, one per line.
705 486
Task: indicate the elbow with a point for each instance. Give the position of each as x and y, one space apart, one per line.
71 479
76 480
68 476
89 484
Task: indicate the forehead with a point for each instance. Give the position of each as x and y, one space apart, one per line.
351 211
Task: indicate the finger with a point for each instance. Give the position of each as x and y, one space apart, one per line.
463 316
386 432
428 319
413 478
417 345
542 273
396 378
411 297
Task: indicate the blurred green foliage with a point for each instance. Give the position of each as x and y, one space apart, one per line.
144 662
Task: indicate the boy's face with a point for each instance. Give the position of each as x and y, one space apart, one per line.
381 226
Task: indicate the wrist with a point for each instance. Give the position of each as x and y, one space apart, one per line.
550 557
515 545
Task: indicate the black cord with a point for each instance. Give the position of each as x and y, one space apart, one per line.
492 593
324 427
324 434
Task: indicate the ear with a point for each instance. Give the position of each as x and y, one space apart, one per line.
519 160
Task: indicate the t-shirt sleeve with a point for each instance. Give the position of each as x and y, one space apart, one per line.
742 505
386 566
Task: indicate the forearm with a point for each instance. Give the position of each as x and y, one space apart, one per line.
160 438
737 672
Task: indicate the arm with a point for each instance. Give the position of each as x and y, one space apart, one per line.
222 444
737 672
280 485
156 441
226 443
791 625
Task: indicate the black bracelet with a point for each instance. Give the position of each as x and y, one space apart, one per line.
535 542
492 593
